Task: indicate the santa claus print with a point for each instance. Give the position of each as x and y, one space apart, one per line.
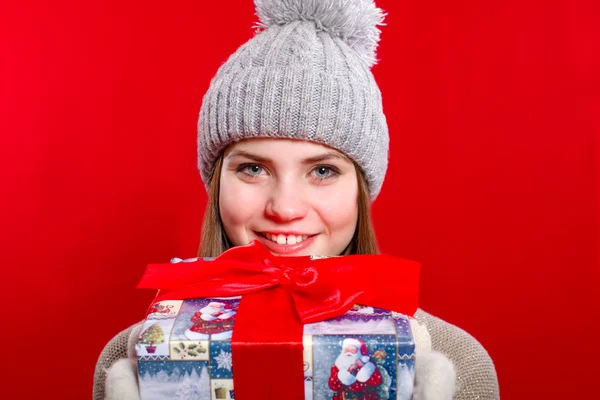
214 322
161 309
354 375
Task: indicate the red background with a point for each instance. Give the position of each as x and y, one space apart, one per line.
493 109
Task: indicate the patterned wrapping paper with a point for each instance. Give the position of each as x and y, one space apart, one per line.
184 352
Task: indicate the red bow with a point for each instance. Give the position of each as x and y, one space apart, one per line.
317 290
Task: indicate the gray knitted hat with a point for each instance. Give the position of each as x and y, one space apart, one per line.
304 75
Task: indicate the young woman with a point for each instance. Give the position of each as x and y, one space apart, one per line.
292 147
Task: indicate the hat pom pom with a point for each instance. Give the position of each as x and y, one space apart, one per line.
354 21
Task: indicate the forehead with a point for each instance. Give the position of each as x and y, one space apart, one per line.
282 149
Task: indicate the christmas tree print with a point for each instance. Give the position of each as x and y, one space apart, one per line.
151 337
405 382
194 387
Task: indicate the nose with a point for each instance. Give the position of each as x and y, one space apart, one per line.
286 203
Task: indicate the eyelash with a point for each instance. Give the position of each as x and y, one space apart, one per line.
243 167
333 170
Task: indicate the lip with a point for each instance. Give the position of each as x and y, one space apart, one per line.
287 249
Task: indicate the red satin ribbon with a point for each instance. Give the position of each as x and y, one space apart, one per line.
280 294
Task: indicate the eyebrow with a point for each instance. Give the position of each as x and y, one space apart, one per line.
330 155
251 156
310 160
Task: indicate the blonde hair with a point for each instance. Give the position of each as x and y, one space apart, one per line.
214 241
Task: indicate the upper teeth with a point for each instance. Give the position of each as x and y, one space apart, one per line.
285 239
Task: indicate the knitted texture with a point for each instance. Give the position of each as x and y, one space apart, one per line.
305 76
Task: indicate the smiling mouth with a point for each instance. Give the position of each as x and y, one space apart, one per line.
284 239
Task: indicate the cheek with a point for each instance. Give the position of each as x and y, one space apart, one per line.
339 209
239 204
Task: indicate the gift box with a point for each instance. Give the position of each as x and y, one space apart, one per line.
187 348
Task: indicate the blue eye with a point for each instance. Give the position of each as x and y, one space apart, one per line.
324 172
252 169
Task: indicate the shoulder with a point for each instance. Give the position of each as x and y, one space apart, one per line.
475 372
120 346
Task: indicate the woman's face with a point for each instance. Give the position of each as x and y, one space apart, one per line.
295 197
